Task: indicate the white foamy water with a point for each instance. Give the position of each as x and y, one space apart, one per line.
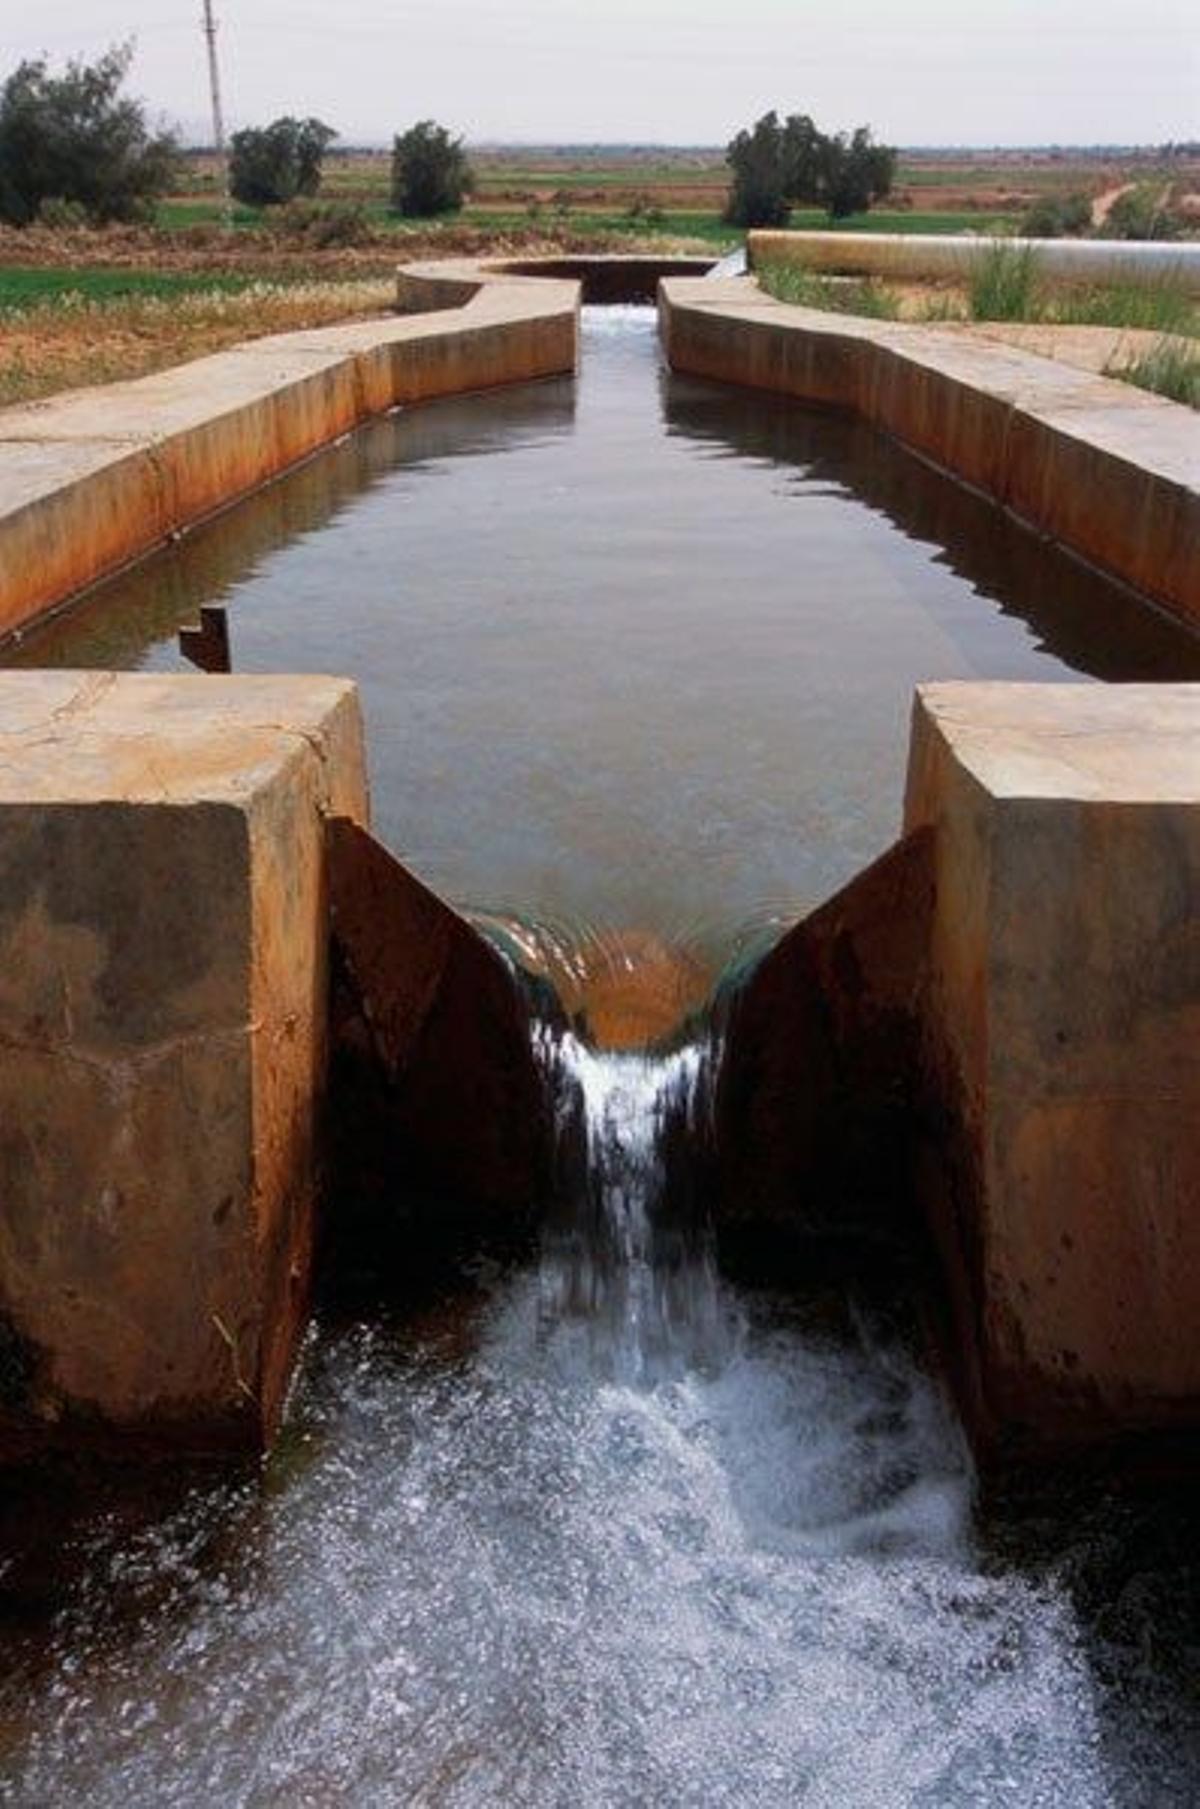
485 1576
565 1545
634 1286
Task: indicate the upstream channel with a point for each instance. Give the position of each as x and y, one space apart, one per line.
636 655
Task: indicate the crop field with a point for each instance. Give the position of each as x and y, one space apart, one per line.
27 288
80 305
680 192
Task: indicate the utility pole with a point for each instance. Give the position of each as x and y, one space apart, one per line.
214 83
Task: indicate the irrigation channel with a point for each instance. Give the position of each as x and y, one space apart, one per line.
636 656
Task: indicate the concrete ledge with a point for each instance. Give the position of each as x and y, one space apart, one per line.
92 480
1106 470
163 1037
619 277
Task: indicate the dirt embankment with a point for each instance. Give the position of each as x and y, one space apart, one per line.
276 254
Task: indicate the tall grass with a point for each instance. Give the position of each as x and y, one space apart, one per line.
1163 306
1169 369
1006 283
835 295
1003 283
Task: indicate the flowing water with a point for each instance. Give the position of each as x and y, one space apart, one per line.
604 1529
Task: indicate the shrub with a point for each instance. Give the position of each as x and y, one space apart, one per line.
1141 213
60 215
1058 217
324 223
271 165
74 139
1002 283
430 171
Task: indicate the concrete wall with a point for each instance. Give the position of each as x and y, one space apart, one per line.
1101 467
163 1012
1061 1020
449 282
940 257
997 1027
94 479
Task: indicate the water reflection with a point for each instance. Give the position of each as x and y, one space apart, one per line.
637 656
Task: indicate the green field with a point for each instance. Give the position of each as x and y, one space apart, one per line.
24 287
690 223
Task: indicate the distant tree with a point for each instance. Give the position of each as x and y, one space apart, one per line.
758 160
270 165
778 165
856 173
430 171
804 153
74 138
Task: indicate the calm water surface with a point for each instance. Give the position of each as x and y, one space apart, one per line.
637 653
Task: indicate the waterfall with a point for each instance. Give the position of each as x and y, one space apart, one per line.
627 1264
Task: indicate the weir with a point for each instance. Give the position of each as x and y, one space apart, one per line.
670 1126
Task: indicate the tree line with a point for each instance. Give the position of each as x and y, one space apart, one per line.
74 146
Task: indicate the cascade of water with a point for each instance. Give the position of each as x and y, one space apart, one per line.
626 1258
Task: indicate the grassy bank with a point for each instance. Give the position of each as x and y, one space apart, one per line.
1006 288
98 333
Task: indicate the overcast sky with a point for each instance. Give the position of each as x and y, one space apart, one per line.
672 71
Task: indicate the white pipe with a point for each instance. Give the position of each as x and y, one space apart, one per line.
917 255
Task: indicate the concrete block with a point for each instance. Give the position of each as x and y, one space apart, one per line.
1062 1043
163 1005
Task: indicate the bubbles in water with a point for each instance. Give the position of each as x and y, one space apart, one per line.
609 1538
495 1577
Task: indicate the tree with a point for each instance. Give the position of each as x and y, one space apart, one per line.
271 165
776 166
857 171
758 159
804 151
430 171
75 138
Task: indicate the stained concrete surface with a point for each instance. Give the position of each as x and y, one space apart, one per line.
163 1005
1105 469
93 479
1062 1030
